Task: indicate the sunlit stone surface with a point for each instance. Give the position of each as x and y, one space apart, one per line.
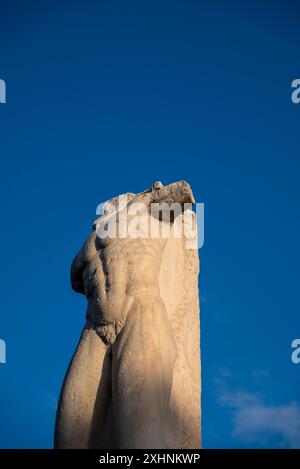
134 379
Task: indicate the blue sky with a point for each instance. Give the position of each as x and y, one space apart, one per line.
105 97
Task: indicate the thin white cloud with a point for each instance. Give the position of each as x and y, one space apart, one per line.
257 422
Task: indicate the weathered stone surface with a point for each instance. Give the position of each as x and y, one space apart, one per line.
134 380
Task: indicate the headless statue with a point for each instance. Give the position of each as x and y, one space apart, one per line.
134 380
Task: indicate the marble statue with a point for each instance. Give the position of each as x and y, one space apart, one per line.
134 379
